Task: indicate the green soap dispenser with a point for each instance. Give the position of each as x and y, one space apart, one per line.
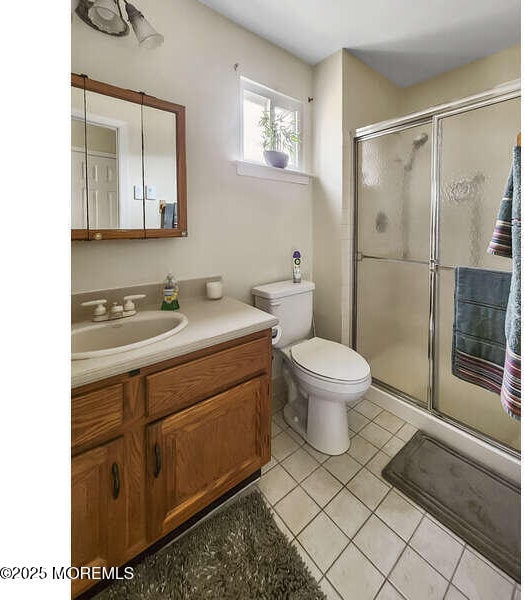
170 300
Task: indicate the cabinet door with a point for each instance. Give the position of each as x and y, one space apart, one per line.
97 509
198 454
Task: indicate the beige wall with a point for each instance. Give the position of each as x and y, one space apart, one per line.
470 79
348 94
327 208
368 97
242 227
101 139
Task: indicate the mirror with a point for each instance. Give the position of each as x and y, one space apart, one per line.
128 164
161 210
78 166
114 163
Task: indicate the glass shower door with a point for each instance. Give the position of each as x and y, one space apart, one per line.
392 279
475 155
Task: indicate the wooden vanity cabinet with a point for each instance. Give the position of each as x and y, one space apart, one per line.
198 454
181 433
98 503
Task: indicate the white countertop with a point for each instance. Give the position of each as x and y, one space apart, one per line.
211 322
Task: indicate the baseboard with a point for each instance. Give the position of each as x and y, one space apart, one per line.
494 458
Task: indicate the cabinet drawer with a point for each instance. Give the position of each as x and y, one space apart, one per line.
181 386
96 414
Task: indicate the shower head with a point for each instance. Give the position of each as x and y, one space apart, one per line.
420 140
417 143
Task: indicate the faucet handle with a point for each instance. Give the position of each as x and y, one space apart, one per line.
100 313
129 305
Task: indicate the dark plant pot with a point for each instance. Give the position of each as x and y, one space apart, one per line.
276 159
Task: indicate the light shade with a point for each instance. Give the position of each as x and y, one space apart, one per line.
147 36
106 16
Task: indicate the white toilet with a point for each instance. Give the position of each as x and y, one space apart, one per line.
322 376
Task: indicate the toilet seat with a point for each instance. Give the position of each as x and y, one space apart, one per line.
330 361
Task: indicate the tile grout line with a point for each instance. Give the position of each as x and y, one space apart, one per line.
350 539
491 565
450 583
327 579
406 543
402 553
434 568
295 536
322 509
386 580
373 512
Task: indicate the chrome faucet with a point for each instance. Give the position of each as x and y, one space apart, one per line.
117 311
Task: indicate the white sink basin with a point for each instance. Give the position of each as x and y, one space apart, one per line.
92 340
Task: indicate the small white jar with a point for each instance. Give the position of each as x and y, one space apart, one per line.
214 290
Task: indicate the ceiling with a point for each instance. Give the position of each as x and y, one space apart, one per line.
405 40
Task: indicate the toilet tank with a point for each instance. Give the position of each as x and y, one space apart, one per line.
292 304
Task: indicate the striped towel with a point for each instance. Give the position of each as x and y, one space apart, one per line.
478 347
506 242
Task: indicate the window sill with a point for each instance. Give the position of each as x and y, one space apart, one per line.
252 169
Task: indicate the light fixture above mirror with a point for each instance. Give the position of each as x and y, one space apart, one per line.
106 16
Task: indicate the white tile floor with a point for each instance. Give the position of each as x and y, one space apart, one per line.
359 537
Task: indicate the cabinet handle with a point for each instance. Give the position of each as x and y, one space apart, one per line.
116 480
158 461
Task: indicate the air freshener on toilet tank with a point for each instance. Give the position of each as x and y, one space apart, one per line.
297 276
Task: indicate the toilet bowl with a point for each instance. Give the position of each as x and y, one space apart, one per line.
322 377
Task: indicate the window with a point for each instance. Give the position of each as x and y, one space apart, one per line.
257 100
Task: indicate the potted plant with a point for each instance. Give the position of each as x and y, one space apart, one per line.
279 138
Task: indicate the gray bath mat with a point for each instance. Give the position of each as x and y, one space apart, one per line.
239 553
480 506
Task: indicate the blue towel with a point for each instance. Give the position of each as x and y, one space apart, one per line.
169 216
506 242
478 347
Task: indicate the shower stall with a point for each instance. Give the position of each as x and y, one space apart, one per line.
428 188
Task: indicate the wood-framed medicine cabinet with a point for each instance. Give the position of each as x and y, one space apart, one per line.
128 164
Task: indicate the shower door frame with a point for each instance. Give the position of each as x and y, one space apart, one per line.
434 115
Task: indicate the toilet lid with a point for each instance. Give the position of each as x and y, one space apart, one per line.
330 359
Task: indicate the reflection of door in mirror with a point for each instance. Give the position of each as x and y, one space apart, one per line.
114 163
160 169
102 173
102 177
78 161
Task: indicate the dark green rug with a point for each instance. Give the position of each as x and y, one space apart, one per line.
476 503
238 553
